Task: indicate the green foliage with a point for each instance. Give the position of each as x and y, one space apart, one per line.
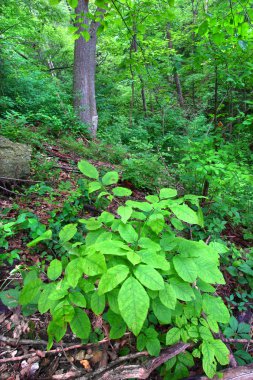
138 266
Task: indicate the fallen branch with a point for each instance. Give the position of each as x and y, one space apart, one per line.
16 342
18 180
238 373
243 341
135 371
55 351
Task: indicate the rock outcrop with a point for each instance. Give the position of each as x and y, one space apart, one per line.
14 159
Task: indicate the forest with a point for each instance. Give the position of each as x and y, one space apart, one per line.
126 189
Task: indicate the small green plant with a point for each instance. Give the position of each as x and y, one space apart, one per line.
237 330
137 272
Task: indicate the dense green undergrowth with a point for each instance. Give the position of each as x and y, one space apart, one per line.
135 268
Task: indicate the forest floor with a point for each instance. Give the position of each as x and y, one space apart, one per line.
23 340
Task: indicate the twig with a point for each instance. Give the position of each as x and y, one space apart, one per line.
55 351
12 341
244 341
10 191
18 180
136 371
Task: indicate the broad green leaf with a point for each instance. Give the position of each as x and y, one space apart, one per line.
67 233
153 346
110 178
185 213
128 233
86 36
56 331
91 224
152 198
205 333
30 291
162 313
133 304
149 277
168 297
121 192
54 270
117 324
209 363
80 324
73 3
177 224
133 257
203 28
221 351
113 301
63 312
186 358
125 213
147 243
94 264
141 342
112 247
106 218
97 303
94 186
74 271
202 285
10 298
185 268
154 260
167 193
77 299
54 2
112 278
44 302
212 324
87 169
208 271
143 206
215 307
173 336
182 289
156 222
47 235
60 291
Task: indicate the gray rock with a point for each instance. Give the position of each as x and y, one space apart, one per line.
14 159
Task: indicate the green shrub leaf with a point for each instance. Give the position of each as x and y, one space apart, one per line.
94 264
168 296
173 336
149 277
125 213
112 278
87 169
110 178
54 270
121 192
47 235
133 304
97 303
185 268
67 233
80 324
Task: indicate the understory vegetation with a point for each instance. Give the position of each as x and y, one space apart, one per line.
139 233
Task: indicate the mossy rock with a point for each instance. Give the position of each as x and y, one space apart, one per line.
14 159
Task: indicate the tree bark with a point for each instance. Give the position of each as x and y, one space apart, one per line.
85 68
175 75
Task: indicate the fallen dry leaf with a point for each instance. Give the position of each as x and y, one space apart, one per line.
86 365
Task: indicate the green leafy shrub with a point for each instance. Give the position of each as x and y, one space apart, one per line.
136 271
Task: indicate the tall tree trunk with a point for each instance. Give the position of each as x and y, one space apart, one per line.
85 68
175 75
